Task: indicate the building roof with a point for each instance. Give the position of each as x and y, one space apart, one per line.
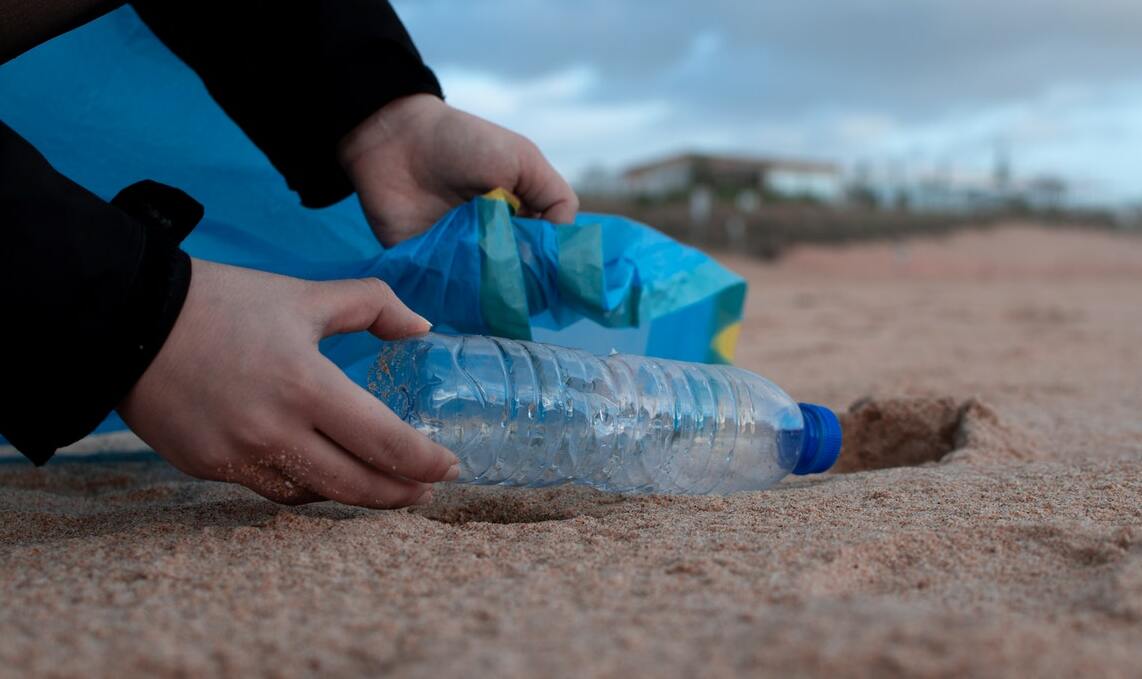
730 164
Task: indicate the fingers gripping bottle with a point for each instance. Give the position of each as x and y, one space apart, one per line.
528 414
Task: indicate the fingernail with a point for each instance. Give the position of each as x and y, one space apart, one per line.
427 323
453 473
425 498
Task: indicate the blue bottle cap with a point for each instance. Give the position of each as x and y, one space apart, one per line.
821 443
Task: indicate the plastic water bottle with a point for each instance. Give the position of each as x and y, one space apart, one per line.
528 414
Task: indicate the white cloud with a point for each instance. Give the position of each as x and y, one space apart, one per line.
557 113
914 84
865 128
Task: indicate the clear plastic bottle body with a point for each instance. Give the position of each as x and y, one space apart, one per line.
528 414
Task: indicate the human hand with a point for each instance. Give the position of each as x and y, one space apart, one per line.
418 157
239 392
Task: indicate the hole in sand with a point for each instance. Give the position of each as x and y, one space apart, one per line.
883 433
470 504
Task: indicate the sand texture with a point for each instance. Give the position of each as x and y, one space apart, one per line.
985 518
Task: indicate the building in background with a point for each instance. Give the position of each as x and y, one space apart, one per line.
944 190
598 180
1046 193
705 181
729 175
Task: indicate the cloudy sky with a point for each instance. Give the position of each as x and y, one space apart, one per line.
906 87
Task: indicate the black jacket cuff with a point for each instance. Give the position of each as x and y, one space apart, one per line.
149 313
89 293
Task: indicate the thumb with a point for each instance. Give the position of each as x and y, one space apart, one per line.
543 190
364 304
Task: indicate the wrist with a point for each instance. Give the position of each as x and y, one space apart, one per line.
391 123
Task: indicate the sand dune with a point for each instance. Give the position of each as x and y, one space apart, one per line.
985 519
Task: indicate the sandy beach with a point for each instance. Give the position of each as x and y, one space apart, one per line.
985 517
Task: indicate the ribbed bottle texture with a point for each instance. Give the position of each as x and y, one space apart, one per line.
528 414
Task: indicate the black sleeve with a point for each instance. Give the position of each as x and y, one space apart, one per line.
296 76
89 290
88 293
